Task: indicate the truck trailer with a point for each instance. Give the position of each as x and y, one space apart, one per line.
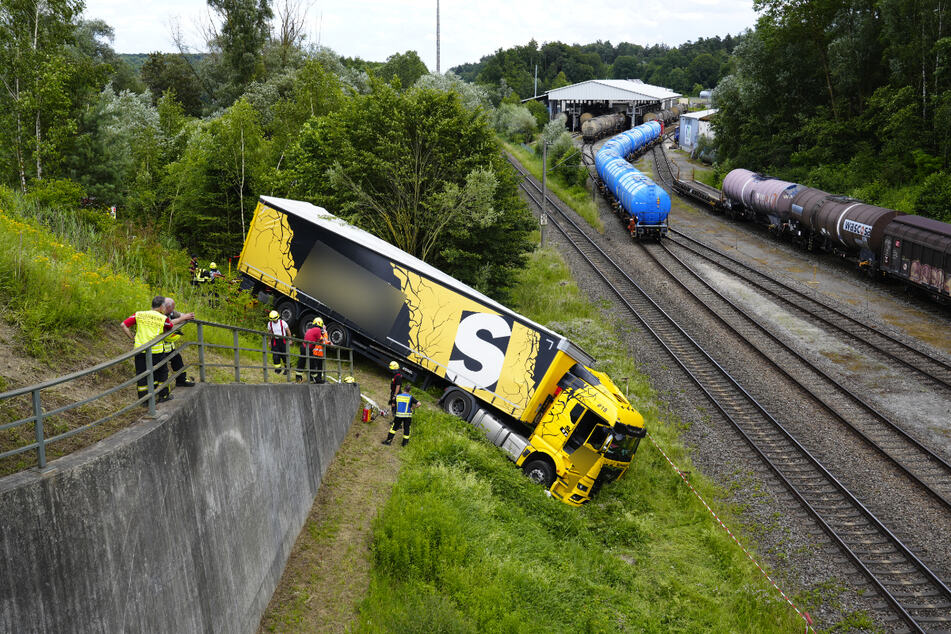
531 391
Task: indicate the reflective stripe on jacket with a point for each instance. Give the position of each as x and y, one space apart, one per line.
403 406
149 324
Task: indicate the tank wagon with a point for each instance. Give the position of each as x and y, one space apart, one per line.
911 249
597 127
666 117
642 204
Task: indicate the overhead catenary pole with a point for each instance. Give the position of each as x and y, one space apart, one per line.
437 37
543 219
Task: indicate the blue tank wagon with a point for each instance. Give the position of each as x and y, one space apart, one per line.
642 203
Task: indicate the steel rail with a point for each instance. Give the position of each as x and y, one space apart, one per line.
787 458
921 464
879 341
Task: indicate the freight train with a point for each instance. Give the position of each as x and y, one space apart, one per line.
666 117
886 243
594 128
641 203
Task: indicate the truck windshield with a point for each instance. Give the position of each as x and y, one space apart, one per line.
622 448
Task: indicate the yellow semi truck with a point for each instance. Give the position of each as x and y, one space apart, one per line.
532 391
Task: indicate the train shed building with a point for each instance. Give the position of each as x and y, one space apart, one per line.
694 125
602 96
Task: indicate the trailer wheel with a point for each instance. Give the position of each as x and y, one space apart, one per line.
289 311
338 334
540 471
459 403
306 318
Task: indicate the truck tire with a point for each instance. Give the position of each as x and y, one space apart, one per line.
459 403
305 318
540 471
338 335
289 311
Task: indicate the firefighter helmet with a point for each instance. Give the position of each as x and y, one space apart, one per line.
213 266
394 365
318 322
274 315
348 379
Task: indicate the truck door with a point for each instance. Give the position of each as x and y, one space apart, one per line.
584 446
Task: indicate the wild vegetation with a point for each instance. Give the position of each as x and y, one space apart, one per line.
466 543
184 148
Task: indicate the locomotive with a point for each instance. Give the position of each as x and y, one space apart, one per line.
909 248
642 203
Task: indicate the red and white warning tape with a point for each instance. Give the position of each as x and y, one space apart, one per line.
805 615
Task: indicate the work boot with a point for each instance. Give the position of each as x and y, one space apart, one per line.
186 383
405 442
388 441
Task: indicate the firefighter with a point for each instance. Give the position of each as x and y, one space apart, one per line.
149 324
406 403
312 352
171 342
396 383
279 332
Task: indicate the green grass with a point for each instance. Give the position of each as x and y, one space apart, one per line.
467 544
579 198
64 273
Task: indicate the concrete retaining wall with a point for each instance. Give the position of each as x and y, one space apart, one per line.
179 524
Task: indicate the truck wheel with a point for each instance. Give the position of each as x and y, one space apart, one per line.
289 310
540 472
459 403
305 318
338 335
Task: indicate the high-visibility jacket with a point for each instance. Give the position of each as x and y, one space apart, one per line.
149 324
404 405
315 338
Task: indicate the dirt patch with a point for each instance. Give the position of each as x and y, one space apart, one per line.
328 572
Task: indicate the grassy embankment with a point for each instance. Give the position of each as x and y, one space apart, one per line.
67 278
578 197
467 544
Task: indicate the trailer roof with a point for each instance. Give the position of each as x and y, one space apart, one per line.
323 218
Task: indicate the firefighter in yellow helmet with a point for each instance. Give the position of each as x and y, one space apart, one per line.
278 332
406 403
396 383
312 352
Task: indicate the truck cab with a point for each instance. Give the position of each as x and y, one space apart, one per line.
588 432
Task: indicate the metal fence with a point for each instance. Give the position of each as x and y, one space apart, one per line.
246 362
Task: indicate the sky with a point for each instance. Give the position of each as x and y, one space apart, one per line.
374 30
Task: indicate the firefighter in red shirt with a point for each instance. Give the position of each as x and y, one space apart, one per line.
312 350
149 324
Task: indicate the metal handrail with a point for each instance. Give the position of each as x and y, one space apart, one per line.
342 357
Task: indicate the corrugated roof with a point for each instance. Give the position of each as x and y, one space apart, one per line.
700 114
611 90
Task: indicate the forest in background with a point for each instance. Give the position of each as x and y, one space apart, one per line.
687 69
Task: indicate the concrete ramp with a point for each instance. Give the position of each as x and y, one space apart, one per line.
179 524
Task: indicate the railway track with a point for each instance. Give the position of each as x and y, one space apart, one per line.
879 431
863 334
917 598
